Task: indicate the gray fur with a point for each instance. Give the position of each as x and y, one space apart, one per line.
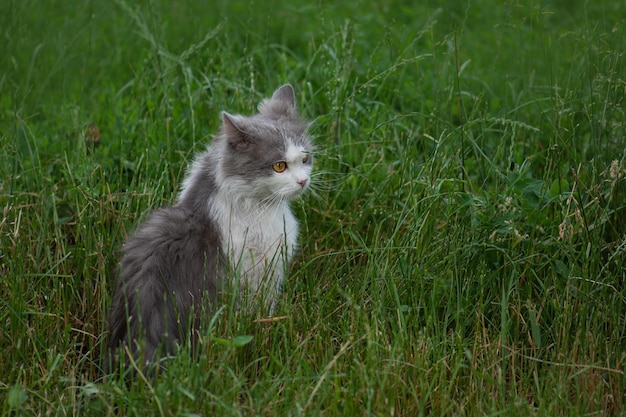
174 265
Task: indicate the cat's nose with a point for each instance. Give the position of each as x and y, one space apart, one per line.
302 182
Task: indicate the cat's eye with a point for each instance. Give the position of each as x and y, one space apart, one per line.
279 166
305 160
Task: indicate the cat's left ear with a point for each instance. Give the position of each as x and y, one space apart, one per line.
282 104
286 95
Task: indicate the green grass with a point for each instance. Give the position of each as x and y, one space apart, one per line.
462 253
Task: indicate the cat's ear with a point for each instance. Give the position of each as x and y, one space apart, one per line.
286 95
234 132
282 103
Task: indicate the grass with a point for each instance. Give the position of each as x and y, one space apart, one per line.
463 252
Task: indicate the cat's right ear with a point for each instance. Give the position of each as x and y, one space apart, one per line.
234 133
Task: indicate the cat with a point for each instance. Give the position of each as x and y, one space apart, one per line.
231 227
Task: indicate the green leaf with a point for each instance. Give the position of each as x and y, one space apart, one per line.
221 341
242 340
16 397
237 342
90 389
404 308
561 268
531 189
558 187
534 328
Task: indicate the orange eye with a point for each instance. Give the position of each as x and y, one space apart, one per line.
279 166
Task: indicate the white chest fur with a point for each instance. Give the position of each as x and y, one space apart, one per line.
259 242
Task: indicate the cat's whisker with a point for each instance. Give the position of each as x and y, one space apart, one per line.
320 188
270 202
313 193
326 180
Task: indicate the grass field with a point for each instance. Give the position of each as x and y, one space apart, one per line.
463 249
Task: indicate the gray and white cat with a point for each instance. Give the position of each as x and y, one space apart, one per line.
231 227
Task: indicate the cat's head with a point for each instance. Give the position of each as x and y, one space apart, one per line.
269 155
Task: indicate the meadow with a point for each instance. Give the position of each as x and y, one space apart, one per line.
463 247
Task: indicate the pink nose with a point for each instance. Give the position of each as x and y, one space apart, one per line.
302 182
